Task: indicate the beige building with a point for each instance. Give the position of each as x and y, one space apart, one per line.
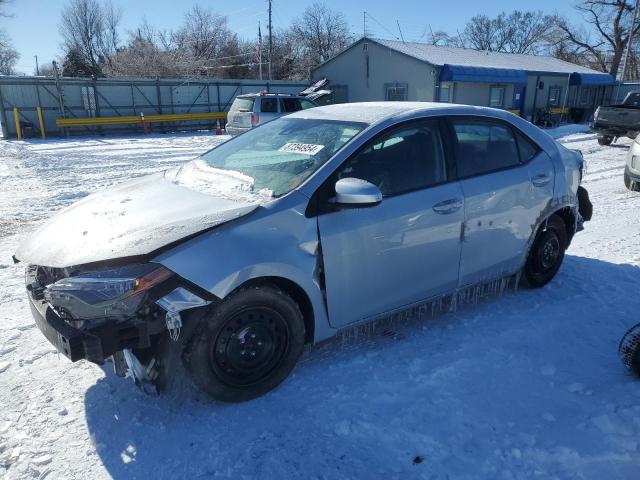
532 86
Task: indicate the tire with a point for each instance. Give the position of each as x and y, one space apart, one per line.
630 184
247 346
605 139
629 349
546 253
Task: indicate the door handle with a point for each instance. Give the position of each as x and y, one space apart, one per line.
540 180
448 206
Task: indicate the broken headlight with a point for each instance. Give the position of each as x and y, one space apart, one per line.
117 292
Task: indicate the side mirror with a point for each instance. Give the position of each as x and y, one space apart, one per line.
356 192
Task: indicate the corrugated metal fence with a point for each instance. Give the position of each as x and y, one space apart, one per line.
111 97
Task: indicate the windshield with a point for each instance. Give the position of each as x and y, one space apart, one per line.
279 155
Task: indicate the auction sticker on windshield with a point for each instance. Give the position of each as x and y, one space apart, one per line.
306 148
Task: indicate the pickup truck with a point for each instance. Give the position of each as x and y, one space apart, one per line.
621 120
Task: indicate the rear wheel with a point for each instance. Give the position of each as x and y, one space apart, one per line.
605 139
248 345
546 254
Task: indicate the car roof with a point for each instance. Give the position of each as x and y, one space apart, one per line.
254 95
374 112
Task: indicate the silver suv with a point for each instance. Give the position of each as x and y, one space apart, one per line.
250 110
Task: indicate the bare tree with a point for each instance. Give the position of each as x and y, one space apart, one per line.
8 55
89 29
604 43
203 38
516 32
322 33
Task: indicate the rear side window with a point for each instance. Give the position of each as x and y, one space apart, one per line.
268 105
289 105
242 105
483 147
527 148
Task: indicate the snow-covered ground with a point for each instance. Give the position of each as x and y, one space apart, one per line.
524 386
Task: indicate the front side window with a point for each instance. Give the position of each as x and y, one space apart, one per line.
407 159
305 104
554 96
279 155
496 97
396 93
483 147
269 105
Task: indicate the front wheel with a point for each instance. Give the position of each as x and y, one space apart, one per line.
248 345
546 254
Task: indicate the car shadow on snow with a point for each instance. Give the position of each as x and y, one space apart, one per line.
418 388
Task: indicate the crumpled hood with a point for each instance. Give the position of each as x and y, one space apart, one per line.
136 218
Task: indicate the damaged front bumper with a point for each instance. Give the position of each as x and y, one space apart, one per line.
97 340
94 344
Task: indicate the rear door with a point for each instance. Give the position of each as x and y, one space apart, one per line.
507 181
403 250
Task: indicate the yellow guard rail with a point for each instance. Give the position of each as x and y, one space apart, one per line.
167 117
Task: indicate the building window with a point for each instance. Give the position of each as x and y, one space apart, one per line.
554 96
496 97
445 92
396 92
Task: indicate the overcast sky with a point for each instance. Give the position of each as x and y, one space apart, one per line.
33 27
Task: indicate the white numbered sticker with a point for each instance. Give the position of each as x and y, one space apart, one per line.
306 148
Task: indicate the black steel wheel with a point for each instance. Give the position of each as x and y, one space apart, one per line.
546 253
248 345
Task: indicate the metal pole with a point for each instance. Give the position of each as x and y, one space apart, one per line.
37 68
259 52
628 48
566 97
3 113
270 42
60 93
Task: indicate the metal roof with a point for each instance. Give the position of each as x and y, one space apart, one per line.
475 58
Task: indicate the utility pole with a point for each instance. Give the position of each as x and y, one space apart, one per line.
259 51
270 41
364 23
400 30
628 48
37 68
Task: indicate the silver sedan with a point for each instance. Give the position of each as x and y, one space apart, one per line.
305 226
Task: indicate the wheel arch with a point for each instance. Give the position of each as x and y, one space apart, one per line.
296 292
568 216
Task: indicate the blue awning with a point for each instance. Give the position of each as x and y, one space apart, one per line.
591 79
459 73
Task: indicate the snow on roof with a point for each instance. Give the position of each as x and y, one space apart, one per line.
365 112
372 112
475 58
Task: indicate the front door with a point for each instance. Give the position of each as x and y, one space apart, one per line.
407 248
507 182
